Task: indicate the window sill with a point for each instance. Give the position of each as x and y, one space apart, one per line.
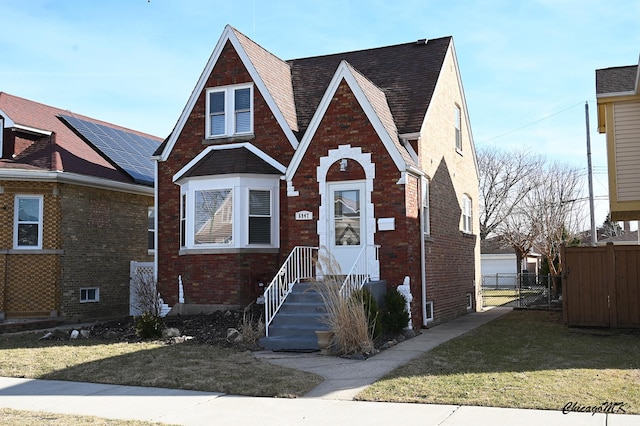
429 238
219 140
234 250
468 235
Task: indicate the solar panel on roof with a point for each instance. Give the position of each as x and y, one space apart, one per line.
129 151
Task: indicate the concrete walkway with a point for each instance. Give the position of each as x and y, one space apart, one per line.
345 378
329 403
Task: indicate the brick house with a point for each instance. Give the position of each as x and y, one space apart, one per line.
361 149
76 195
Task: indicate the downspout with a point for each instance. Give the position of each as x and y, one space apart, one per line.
423 262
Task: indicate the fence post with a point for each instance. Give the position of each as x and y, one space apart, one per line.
612 302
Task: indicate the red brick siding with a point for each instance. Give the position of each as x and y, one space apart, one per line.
215 278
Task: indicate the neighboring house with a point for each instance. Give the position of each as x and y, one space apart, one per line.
618 96
76 206
498 257
628 238
344 151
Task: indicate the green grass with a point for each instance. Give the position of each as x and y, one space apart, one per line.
181 366
12 417
526 359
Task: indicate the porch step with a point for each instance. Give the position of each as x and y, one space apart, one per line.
294 326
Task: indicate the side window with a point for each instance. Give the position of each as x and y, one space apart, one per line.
151 229
28 222
458 127
467 214
426 218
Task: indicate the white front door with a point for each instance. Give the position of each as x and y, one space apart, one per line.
347 227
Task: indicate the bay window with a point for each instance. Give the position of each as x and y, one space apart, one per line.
229 212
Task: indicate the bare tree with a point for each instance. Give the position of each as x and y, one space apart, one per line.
553 208
146 297
505 179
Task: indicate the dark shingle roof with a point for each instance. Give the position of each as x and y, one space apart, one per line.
616 79
230 161
406 74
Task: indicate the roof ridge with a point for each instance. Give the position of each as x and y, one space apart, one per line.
410 43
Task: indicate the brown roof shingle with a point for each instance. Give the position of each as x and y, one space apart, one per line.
616 79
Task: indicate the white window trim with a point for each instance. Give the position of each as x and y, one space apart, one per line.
426 210
229 110
40 222
240 185
429 310
467 212
86 300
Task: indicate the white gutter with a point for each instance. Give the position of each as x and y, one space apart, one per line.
74 178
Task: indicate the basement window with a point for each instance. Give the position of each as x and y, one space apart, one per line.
469 302
429 311
88 295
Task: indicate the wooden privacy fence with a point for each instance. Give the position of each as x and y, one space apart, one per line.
601 286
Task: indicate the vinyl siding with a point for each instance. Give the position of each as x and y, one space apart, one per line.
627 149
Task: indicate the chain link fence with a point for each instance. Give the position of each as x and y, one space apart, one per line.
520 291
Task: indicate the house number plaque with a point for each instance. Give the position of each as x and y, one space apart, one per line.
304 215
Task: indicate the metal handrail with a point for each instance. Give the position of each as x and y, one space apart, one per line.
359 274
300 264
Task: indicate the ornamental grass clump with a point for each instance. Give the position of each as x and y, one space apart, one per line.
346 316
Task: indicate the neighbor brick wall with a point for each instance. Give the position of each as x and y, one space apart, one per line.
30 279
102 232
221 278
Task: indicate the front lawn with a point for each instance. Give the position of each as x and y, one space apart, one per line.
525 359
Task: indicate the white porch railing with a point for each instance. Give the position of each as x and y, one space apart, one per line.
300 264
365 266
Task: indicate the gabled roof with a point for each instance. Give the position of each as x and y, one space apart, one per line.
617 81
67 149
398 82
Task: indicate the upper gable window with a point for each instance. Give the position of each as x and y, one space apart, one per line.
229 111
458 127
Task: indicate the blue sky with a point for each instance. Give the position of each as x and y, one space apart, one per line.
527 67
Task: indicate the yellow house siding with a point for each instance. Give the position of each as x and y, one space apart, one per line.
627 150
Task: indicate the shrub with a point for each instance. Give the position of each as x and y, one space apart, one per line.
371 310
394 318
149 326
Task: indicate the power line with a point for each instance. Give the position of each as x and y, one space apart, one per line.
529 124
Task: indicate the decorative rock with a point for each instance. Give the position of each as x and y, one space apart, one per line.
47 336
85 333
74 334
410 333
232 334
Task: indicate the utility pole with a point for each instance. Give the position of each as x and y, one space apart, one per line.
594 237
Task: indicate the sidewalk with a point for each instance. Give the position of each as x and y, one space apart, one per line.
329 403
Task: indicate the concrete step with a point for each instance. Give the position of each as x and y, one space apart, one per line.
290 343
295 319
